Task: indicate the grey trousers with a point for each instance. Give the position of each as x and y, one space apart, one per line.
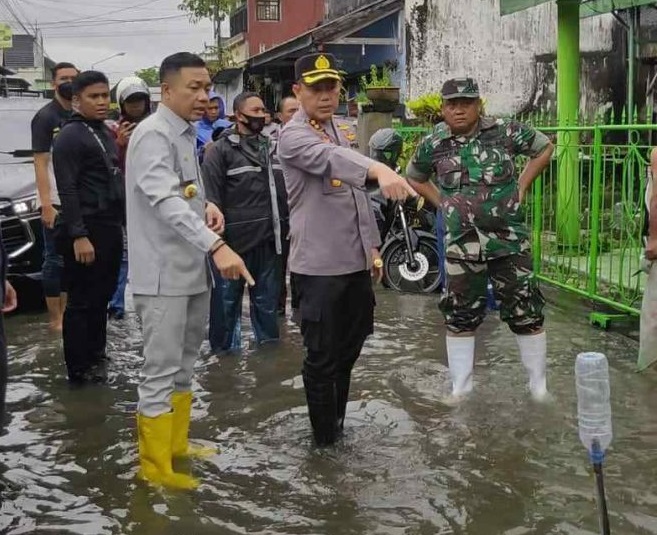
173 328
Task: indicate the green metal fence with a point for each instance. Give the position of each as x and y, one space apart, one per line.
586 210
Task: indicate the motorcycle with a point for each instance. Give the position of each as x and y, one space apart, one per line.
411 259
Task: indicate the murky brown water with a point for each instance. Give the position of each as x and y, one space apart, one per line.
408 464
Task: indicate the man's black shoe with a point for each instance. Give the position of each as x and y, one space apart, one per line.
97 374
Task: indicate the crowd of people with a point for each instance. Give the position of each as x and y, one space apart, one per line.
191 204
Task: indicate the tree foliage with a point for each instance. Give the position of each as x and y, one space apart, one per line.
150 75
208 9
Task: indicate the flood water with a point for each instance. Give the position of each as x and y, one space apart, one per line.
408 464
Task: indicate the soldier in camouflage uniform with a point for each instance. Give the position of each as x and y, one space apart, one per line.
472 157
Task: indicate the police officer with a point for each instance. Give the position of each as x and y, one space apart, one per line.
481 195
334 239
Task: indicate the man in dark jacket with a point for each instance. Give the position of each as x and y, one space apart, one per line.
90 185
239 179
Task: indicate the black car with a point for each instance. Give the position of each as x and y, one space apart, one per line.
20 220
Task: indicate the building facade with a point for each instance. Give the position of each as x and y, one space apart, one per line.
26 59
513 57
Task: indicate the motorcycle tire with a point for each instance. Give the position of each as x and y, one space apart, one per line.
428 278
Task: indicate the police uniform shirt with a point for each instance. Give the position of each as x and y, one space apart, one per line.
332 224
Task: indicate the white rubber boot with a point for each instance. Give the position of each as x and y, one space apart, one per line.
533 352
460 356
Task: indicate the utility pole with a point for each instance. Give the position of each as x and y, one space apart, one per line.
217 31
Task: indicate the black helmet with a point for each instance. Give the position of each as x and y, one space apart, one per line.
386 146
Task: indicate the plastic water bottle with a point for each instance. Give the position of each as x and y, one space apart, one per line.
593 405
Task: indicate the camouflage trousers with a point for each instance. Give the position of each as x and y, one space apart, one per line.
515 287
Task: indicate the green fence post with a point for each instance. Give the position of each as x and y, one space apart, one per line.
596 203
568 70
537 222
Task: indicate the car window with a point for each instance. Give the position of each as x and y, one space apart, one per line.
15 120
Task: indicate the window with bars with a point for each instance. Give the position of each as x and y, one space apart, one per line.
268 10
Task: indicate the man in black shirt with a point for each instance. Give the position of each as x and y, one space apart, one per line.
90 185
45 126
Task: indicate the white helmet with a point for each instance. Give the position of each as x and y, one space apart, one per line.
131 85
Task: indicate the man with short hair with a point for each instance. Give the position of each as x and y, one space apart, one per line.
239 177
335 240
287 107
171 232
90 186
45 126
473 159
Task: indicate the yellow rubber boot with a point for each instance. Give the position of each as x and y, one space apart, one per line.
182 412
155 453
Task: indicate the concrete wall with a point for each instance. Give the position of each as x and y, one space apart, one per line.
512 57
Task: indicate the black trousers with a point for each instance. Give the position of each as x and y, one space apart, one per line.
90 288
337 315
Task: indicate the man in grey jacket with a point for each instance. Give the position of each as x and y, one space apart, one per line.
171 231
334 240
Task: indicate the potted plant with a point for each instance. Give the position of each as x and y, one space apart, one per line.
379 89
427 108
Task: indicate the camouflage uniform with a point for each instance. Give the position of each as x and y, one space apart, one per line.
486 235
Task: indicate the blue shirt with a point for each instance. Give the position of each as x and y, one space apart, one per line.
204 129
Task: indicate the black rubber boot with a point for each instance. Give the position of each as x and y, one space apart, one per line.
322 409
342 397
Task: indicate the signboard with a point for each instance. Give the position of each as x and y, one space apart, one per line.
6 36
588 8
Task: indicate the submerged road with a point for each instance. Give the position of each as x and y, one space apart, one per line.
408 464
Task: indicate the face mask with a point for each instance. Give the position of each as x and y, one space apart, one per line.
255 124
65 91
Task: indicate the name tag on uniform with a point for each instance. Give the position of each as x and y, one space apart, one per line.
336 183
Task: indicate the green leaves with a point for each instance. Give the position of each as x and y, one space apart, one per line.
427 108
375 79
150 75
208 9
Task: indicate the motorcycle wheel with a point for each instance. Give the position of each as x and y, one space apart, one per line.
426 279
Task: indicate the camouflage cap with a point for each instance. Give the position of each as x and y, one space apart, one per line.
460 88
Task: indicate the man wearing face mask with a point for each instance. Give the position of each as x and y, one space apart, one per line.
45 126
238 174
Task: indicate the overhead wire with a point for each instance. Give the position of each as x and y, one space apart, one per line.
13 14
97 15
101 22
19 9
